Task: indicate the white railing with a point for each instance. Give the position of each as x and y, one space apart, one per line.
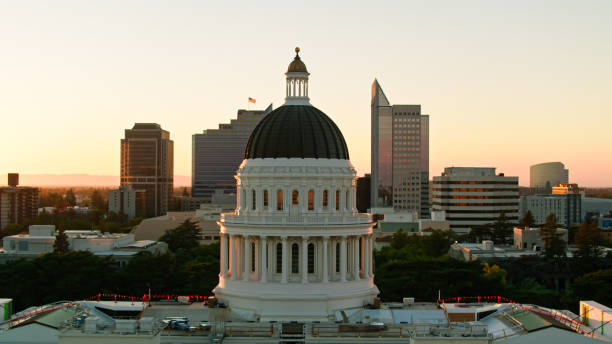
297 219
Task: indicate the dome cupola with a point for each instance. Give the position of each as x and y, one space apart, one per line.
297 129
297 82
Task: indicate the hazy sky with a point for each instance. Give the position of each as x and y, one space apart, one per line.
506 83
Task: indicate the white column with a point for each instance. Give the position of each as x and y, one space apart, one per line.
233 251
333 258
223 244
259 198
284 262
325 273
356 257
304 259
371 255
343 259
271 199
264 259
249 199
366 256
247 258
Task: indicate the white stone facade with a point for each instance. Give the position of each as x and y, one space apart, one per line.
295 248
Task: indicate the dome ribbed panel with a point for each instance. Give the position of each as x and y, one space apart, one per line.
296 131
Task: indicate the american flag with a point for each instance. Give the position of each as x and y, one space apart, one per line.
252 100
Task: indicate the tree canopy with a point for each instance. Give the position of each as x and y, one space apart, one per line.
185 236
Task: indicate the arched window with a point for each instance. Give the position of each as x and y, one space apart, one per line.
337 199
265 198
325 199
254 199
295 197
337 257
311 258
252 256
310 199
295 255
279 258
279 200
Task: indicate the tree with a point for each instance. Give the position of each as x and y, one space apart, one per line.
527 220
494 273
98 201
399 239
61 244
12 229
479 233
185 236
588 240
438 243
501 230
554 246
594 286
70 198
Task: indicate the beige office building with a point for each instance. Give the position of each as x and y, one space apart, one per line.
546 175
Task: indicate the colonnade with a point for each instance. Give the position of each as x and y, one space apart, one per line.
315 198
297 87
296 259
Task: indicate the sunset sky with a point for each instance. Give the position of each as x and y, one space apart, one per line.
507 84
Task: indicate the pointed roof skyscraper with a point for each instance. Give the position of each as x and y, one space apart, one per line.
378 96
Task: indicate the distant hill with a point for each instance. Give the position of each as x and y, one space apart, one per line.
82 180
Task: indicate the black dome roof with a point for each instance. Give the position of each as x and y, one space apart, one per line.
296 131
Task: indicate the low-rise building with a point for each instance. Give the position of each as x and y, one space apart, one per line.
41 239
206 218
565 202
475 196
486 251
128 201
390 221
531 238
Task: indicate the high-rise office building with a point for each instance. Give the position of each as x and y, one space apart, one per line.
400 155
217 153
474 196
147 163
542 177
17 203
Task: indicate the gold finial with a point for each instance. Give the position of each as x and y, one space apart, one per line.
297 51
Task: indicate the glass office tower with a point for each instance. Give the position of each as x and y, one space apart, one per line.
217 153
400 155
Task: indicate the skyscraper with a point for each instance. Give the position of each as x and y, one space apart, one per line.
217 153
17 203
400 155
147 163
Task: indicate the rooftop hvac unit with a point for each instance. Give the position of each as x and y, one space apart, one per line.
479 329
422 329
487 245
125 325
146 324
408 301
91 324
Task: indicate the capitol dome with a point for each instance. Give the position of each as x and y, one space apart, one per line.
296 131
295 248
